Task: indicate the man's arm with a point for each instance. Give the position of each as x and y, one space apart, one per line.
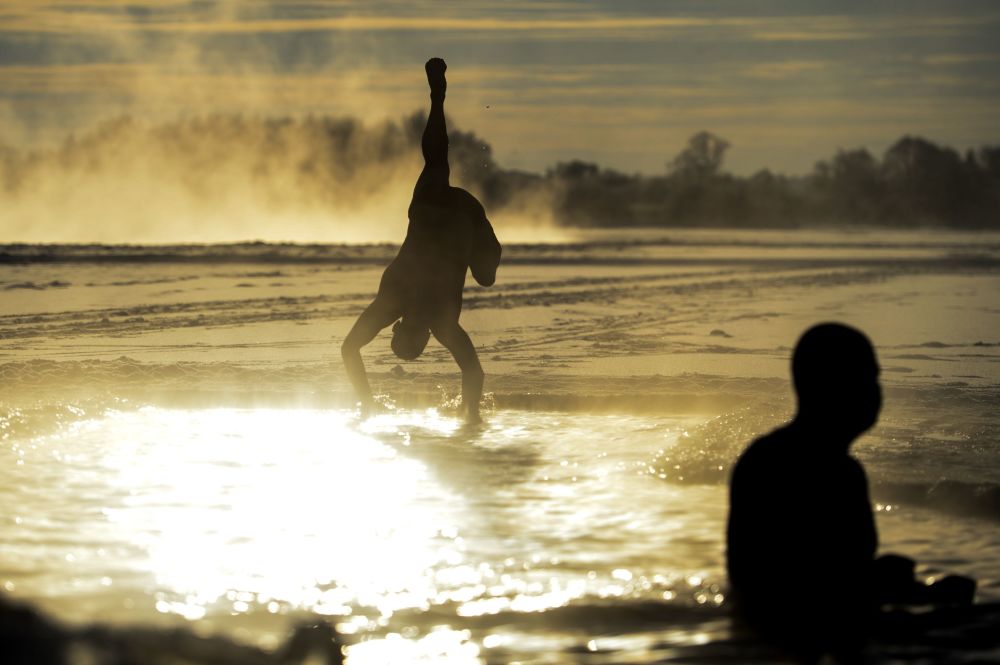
486 253
376 316
454 338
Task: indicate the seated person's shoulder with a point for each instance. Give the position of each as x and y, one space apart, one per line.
854 471
768 470
765 453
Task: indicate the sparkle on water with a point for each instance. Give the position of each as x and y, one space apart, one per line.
263 515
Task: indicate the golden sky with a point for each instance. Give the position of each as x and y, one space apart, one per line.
620 82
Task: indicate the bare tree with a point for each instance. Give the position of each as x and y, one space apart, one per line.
702 158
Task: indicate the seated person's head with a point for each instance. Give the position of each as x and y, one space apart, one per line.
836 379
409 337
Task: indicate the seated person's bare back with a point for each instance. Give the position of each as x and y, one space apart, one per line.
801 538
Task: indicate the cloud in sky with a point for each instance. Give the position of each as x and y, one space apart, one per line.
623 82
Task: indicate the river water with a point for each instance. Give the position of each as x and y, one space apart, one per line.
532 537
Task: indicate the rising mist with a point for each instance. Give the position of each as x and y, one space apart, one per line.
232 177
225 177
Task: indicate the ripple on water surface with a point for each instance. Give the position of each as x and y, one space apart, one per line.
536 533
243 520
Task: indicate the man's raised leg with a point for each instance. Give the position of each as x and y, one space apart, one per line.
434 142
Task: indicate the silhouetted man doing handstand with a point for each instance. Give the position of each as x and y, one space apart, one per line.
801 535
421 290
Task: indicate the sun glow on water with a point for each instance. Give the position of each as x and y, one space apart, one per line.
409 531
246 511
304 511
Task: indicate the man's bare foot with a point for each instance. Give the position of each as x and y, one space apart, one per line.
435 76
372 407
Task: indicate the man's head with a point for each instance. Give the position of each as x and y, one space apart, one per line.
409 338
836 379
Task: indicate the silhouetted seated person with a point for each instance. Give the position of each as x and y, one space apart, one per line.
421 290
801 535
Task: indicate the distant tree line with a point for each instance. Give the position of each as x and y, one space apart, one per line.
335 162
916 183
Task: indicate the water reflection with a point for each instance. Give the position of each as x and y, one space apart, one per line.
305 512
476 460
416 536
